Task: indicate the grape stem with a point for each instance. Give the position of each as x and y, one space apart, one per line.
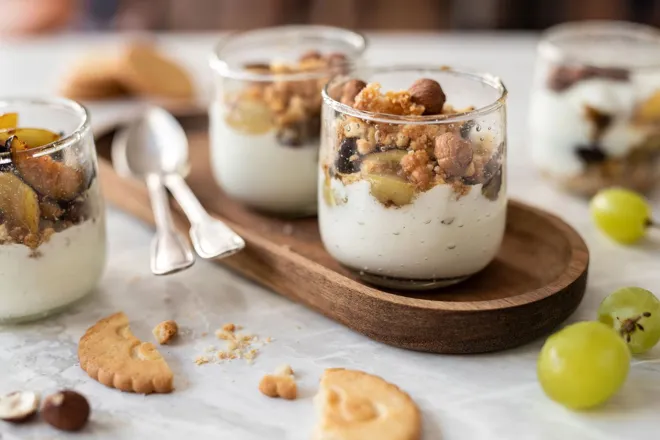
628 326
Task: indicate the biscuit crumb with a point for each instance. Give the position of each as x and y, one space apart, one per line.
201 360
229 327
284 370
279 385
165 331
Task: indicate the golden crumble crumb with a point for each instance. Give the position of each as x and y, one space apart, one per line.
283 386
392 103
414 165
224 335
229 327
201 360
284 370
165 331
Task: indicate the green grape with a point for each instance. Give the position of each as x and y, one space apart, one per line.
583 365
621 214
635 314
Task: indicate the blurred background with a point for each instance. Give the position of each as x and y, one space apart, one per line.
53 16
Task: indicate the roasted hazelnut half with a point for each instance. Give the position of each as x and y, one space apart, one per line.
19 406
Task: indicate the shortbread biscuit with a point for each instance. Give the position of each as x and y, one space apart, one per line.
93 78
146 72
112 355
353 405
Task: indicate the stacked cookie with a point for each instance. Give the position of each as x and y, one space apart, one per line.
140 70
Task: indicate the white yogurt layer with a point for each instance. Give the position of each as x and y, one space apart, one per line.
260 172
435 237
65 269
558 123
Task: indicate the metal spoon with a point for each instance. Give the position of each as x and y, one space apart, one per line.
166 141
170 251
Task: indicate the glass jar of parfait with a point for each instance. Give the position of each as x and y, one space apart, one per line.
52 218
265 117
412 188
595 106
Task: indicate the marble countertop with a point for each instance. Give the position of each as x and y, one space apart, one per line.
487 397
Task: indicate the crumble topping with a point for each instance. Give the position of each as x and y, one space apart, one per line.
402 160
291 108
637 168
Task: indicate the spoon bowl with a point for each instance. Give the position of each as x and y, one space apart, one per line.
159 146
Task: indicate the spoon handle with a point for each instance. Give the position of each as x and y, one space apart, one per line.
170 251
210 237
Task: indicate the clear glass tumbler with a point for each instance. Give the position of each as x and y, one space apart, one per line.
407 201
595 107
266 114
52 218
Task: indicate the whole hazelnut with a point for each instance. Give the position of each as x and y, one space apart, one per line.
454 154
351 90
66 410
428 93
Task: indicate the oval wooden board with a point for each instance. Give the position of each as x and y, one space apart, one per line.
537 280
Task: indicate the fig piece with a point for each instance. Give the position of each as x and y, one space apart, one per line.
391 190
47 176
33 137
250 116
19 204
8 120
385 162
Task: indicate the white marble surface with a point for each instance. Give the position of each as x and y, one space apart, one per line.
494 396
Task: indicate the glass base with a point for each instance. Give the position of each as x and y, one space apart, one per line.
43 315
407 283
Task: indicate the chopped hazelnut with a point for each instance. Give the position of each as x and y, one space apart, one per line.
351 90
454 154
165 331
428 93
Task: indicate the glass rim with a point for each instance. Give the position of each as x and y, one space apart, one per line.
222 67
549 45
484 78
60 144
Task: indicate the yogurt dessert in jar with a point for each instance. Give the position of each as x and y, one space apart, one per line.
266 114
595 106
412 188
52 219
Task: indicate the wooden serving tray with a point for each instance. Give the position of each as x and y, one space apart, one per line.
537 280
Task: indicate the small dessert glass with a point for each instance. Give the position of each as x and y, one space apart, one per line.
595 107
393 207
266 114
52 218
